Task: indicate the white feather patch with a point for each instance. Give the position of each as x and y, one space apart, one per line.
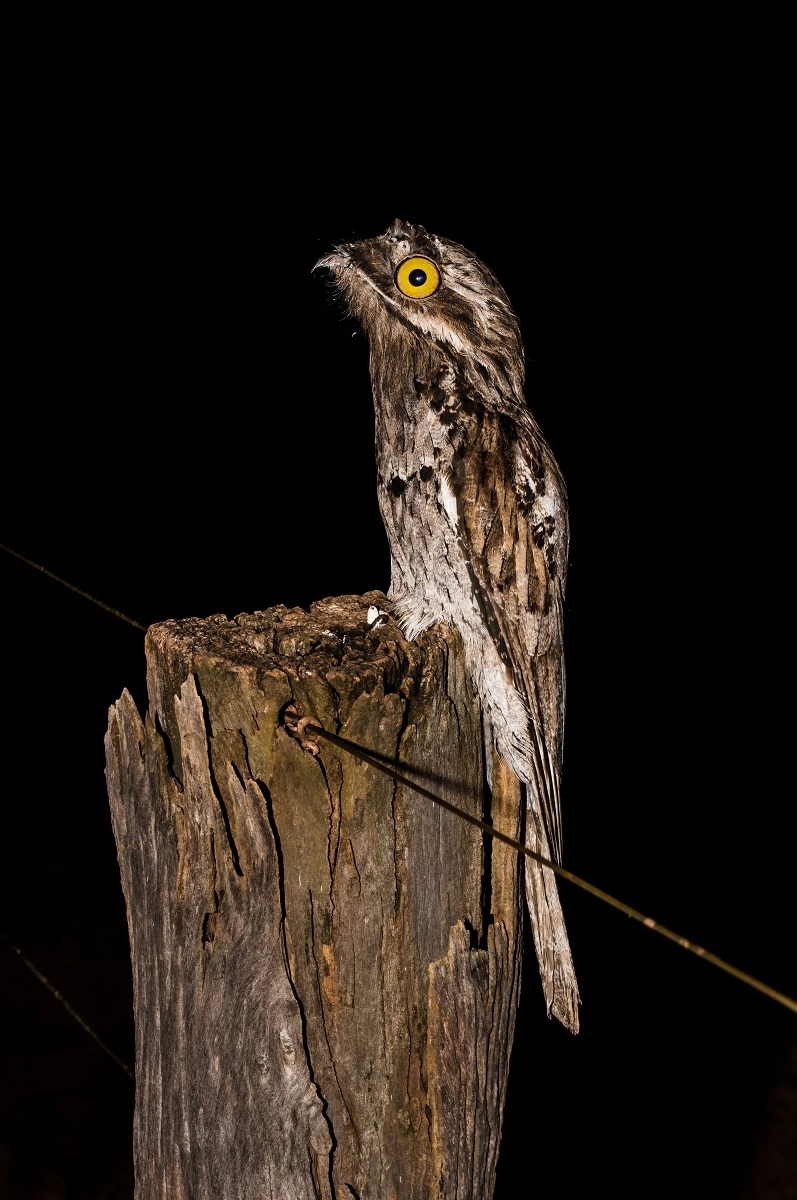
449 503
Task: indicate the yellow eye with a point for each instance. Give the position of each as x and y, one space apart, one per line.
417 277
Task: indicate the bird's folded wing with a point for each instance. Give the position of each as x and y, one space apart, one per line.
513 523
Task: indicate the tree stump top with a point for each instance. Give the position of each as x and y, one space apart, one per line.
331 645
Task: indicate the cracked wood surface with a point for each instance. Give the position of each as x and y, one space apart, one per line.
326 965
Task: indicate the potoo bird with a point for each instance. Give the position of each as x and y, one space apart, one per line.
475 511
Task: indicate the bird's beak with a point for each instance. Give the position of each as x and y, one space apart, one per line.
335 261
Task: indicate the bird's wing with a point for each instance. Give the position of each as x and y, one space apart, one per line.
513 522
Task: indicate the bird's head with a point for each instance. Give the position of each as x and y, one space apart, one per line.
408 280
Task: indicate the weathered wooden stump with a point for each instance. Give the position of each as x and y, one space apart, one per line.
326 965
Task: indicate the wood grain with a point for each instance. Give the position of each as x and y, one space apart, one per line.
326 965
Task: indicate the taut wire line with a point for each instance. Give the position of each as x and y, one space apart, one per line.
61 1000
86 595
308 726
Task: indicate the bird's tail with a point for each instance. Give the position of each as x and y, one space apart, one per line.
548 927
517 741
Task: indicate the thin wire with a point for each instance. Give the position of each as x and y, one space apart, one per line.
72 588
369 757
357 750
51 988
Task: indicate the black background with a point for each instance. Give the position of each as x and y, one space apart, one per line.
189 431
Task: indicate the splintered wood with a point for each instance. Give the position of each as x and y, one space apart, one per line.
326 965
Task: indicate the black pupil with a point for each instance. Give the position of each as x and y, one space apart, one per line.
417 277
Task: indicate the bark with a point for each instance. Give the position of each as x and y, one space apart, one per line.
326 965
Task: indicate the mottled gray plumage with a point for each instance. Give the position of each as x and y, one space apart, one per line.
475 511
